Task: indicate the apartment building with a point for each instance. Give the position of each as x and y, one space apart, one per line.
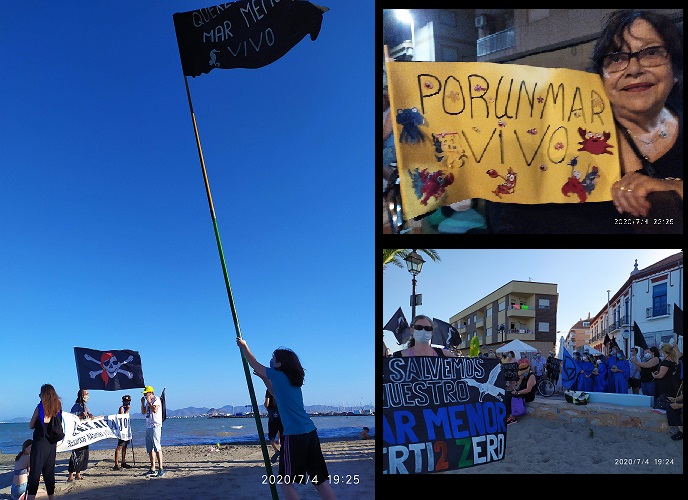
522 310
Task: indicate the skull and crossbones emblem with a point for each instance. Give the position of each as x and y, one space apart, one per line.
109 366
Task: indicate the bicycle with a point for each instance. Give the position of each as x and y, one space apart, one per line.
392 200
546 387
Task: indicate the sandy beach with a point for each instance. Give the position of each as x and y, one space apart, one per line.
539 446
233 471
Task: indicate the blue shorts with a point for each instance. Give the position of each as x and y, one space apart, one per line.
18 490
153 439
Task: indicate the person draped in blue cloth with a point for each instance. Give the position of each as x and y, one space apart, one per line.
611 363
599 376
584 382
301 458
620 373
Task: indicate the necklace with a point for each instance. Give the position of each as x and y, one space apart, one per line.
661 133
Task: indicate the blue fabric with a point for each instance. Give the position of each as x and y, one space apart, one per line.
290 402
620 378
611 361
584 382
568 370
600 380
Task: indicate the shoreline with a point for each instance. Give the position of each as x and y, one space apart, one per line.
204 471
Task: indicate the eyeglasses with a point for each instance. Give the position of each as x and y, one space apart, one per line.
422 327
648 57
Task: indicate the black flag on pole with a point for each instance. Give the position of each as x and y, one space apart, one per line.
108 370
678 320
243 34
638 338
163 403
399 326
444 334
606 340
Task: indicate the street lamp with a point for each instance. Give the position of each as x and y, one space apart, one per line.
414 263
405 16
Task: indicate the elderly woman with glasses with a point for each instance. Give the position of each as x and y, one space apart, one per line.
419 344
640 58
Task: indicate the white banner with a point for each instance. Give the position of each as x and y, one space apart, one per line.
80 433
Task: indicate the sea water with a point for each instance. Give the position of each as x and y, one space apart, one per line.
202 430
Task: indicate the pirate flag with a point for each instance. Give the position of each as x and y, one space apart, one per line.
399 326
638 338
108 370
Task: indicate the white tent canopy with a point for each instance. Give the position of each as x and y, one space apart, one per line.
516 346
591 350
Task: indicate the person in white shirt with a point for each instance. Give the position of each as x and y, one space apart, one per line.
538 366
634 377
151 407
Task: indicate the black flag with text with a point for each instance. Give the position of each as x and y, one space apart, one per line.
108 370
243 34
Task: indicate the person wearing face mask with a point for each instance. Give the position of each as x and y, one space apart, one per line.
301 459
538 366
634 377
620 372
666 376
647 366
419 344
611 364
78 460
599 376
584 381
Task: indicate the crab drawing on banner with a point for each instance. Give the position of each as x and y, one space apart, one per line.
594 143
509 184
410 119
109 367
428 184
447 149
583 187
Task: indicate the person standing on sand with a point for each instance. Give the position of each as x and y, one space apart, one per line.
275 427
151 407
78 460
301 459
122 444
42 458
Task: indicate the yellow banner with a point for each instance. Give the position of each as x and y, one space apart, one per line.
501 132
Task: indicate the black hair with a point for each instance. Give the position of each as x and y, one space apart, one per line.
290 366
612 39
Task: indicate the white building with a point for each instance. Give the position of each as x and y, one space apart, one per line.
652 298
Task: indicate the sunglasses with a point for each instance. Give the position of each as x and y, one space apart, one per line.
422 327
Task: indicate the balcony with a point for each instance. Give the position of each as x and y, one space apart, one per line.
655 312
496 42
520 311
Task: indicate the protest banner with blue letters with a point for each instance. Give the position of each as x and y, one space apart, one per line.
442 414
79 433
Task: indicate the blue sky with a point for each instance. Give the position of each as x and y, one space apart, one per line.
463 277
106 237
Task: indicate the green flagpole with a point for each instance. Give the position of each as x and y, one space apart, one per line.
249 381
